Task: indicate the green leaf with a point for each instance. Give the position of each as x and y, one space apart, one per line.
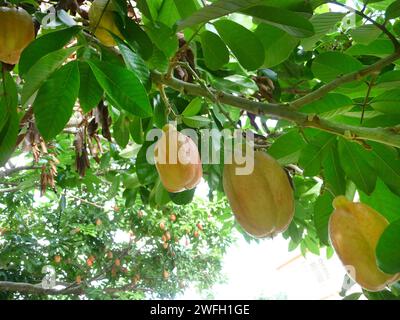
293 23
136 130
130 181
243 43
55 100
387 165
182 198
330 105
314 153
164 38
186 7
43 45
124 87
389 80
393 10
365 34
388 249
161 195
146 172
215 10
130 197
90 91
333 173
42 70
150 8
196 121
294 232
329 65
160 114
287 148
378 47
353 296
383 200
137 39
215 52
278 44
113 191
158 61
121 130
311 245
168 13
193 107
9 126
354 160
387 102
380 295
134 63
323 24
322 211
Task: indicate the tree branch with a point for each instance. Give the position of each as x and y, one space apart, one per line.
390 35
357 75
29 288
386 136
9 172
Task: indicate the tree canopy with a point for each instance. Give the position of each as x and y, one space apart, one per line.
82 209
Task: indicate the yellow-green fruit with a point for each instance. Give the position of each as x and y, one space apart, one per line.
16 32
177 160
354 230
263 201
107 23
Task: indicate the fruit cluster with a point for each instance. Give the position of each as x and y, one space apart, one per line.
263 204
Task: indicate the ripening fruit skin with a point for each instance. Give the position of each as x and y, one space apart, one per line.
16 32
106 24
165 274
181 170
263 201
354 230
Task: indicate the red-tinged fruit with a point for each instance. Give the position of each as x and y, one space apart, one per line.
354 230
262 201
177 160
16 32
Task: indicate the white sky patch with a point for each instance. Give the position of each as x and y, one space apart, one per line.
268 271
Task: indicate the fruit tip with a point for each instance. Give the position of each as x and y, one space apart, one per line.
340 202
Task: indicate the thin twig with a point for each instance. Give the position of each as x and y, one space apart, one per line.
370 85
378 25
86 201
204 85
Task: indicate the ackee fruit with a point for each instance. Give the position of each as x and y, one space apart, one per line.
354 230
177 160
262 201
102 21
16 32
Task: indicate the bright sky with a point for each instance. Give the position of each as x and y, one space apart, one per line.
253 272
